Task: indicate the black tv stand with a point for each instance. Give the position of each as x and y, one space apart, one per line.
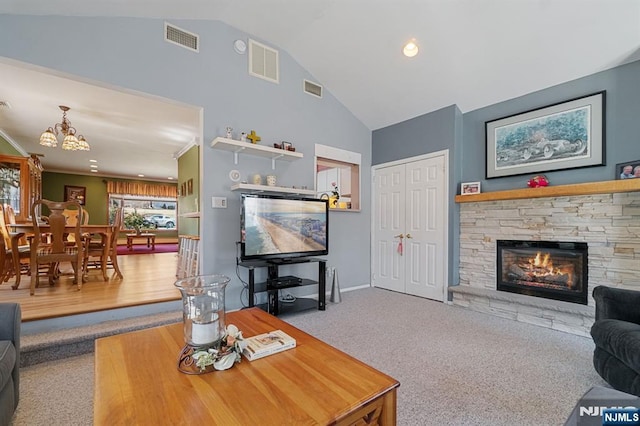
275 282
289 260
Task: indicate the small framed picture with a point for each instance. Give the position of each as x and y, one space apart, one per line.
75 193
467 188
628 170
286 145
190 187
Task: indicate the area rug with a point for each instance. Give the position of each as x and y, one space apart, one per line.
143 249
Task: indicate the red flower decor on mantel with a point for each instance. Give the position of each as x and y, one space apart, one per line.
538 181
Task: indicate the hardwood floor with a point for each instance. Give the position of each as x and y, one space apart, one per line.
147 279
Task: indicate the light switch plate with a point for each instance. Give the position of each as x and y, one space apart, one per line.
219 202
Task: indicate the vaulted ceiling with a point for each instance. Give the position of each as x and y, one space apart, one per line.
473 53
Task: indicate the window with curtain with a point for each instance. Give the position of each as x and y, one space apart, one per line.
157 212
157 203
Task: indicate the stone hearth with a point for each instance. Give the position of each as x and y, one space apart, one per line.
608 223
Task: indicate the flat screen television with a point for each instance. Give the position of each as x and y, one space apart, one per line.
282 228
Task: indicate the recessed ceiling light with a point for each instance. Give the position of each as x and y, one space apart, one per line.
93 161
94 166
410 49
140 175
170 178
94 171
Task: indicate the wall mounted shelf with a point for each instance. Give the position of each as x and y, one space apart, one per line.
589 188
247 187
239 147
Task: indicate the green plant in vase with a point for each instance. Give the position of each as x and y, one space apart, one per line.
135 221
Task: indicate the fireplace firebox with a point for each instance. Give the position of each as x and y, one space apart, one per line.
549 269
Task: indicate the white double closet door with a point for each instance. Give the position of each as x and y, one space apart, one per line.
409 241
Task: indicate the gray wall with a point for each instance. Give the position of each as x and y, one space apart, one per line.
131 53
436 131
622 128
464 136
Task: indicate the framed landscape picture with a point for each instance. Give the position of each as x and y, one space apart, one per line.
75 193
566 135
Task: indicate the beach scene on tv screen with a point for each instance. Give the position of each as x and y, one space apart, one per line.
279 226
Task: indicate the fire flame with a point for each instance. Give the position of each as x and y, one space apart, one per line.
542 265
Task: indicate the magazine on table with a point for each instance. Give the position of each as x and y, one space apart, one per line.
267 344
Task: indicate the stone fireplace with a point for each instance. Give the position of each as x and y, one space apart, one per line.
549 269
603 216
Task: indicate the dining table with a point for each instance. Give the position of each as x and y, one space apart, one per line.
108 230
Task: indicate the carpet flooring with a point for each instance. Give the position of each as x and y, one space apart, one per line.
143 249
455 366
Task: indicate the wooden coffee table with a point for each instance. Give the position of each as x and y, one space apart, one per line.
151 239
137 382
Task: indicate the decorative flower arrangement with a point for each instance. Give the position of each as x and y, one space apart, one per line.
223 354
538 181
334 191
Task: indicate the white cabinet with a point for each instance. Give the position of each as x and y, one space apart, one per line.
324 180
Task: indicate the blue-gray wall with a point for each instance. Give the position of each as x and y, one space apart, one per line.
131 53
464 136
436 131
622 128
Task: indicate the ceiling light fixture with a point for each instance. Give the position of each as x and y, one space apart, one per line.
70 141
410 49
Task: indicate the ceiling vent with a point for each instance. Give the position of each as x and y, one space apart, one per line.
312 88
183 38
263 62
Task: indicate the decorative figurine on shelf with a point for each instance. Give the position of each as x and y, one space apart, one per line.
243 137
253 137
335 196
538 181
229 133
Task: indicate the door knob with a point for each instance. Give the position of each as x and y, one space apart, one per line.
399 236
409 236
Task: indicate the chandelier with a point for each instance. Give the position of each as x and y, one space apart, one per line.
70 141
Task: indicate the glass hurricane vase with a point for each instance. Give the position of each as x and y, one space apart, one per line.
203 308
203 317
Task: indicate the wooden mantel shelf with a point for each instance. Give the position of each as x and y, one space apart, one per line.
589 188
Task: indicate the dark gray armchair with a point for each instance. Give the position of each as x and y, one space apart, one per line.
616 333
10 317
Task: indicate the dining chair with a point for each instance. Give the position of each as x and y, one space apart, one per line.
113 243
96 253
10 219
104 249
57 249
71 217
16 254
6 262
